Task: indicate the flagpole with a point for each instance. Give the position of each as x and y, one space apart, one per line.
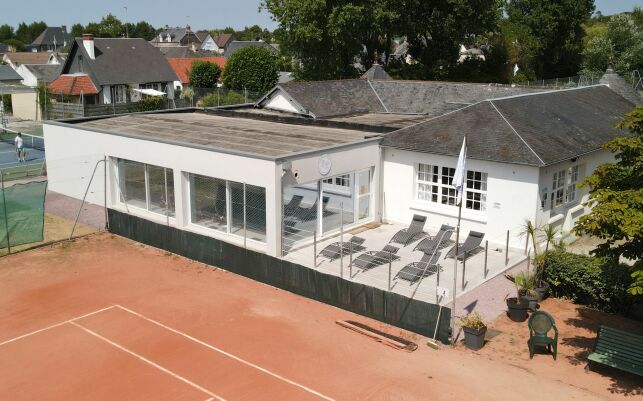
455 272
459 182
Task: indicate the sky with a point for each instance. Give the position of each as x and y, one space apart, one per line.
200 14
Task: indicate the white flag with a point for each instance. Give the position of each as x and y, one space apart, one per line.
459 176
516 69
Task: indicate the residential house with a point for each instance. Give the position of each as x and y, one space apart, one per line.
183 66
222 41
235 45
24 100
9 76
176 37
207 42
18 58
53 38
32 74
107 70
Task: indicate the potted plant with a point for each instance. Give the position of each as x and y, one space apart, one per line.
474 330
526 283
517 306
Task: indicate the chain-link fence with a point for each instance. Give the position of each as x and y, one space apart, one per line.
22 213
56 106
214 97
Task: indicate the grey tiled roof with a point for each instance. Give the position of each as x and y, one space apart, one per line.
47 37
120 61
620 86
334 98
8 74
45 72
376 72
537 129
435 97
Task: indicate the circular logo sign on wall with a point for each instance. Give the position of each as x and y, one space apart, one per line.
325 165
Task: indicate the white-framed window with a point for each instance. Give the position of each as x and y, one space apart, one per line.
435 184
120 93
339 181
564 186
228 206
146 186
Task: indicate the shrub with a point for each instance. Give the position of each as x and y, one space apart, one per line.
473 321
224 98
151 104
253 68
204 74
599 283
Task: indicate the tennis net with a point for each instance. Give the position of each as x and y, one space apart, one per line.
28 141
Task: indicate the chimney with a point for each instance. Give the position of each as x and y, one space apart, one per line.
88 42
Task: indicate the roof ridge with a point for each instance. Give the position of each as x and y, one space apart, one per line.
377 95
547 92
434 118
515 131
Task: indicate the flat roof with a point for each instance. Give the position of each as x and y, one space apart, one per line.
252 137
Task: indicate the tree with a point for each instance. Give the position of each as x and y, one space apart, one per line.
77 30
6 32
143 30
253 68
16 44
204 74
555 33
27 33
436 29
111 27
616 197
328 37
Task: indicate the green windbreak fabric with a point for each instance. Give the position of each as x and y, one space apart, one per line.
22 211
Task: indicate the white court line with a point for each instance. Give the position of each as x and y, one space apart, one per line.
55 325
161 368
228 354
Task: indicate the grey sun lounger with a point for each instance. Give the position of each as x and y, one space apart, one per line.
441 240
370 259
470 245
310 213
353 245
293 205
407 235
424 268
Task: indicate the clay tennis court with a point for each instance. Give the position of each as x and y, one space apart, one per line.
104 318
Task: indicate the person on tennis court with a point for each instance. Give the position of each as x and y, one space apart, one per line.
20 150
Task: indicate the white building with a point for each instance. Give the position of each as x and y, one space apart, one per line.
526 155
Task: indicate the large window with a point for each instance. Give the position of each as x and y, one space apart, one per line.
225 206
146 186
120 93
564 186
435 184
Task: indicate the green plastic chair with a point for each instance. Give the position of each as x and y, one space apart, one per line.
540 324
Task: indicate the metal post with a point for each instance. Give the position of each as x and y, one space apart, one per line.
105 192
464 268
341 240
245 236
315 249
390 261
486 254
507 250
167 211
84 196
350 261
218 97
6 218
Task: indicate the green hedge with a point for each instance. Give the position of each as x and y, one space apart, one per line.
598 283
